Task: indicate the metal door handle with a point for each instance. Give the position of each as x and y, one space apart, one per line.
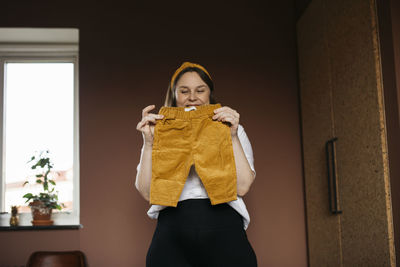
332 182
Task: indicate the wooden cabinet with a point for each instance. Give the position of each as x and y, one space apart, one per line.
342 96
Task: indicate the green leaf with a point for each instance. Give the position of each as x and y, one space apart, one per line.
39 175
42 162
52 182
28 195
38 181
32 158
25 183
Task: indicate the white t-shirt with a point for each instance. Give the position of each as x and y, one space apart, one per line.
194 188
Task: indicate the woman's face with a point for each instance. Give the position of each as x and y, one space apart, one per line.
191 90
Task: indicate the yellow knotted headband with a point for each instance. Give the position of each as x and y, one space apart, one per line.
187 65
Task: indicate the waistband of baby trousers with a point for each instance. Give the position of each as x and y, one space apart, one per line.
188 112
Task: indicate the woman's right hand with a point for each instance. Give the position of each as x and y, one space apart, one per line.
146 125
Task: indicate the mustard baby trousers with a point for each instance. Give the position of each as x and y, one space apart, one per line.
183 138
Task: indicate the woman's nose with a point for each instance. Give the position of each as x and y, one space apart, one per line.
192 96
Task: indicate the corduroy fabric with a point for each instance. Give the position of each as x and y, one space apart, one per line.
183 138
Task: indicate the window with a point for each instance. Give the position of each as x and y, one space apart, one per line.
39 111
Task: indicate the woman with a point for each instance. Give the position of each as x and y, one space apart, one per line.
196 233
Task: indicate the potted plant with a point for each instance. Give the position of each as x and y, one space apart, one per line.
43 203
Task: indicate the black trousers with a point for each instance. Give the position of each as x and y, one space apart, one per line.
198 234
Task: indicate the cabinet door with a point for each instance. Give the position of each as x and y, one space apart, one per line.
317 126
359 123
341 96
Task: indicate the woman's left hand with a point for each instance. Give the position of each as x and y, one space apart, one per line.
226 114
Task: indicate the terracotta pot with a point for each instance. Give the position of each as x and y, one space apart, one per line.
40 213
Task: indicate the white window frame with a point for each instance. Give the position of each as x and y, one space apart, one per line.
25 45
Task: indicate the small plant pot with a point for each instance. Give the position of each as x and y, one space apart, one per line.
40 213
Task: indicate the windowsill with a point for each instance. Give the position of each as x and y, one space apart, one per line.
34 228
62 220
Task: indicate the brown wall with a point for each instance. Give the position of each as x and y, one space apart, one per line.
127 55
